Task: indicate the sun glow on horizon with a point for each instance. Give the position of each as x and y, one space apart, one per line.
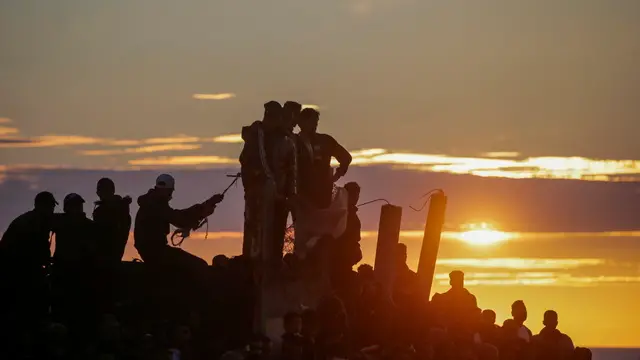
483 234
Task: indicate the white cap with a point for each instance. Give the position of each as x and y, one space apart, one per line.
165 181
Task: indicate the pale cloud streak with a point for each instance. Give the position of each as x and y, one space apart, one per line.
180 139
50 141
576 168
502 164
228 139
184 161
218 96
310 106
143 149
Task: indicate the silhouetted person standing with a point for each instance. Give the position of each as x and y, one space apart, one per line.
489 331
25 243
517 335
550 343
113 219
24 258
153 224
291 114
519 314
76 234
268 169
315 151
456 306
74 268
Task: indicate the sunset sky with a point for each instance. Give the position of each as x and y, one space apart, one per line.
525 112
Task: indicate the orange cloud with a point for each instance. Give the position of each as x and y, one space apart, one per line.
4 120
4 130
230 139
142 149
50 141
183 161
219 96
78 140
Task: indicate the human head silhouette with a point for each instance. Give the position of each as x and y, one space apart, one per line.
291 113
456 279
45 203
309 121
489 317
272 117
73 204
550 319
353 189
401 254
165 185
519 311
105 188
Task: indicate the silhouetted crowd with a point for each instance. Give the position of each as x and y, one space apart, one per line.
84 302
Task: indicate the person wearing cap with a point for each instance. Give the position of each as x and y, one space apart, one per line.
315 152
112 216
74 259
76 234
153 224
24 258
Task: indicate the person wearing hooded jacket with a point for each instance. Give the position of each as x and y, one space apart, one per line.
153 224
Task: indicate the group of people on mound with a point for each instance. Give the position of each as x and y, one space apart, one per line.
75 283
362 322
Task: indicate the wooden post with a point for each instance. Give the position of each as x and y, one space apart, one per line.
431 243
388 237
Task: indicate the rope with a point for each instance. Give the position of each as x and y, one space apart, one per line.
373 201
184 233
429 194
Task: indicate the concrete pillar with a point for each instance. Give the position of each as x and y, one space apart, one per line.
431 242
388 237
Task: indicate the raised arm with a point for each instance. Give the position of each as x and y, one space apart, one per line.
343 156
190 217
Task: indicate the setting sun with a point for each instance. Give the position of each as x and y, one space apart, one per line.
483 234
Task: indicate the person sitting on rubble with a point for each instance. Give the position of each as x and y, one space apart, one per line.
112 217
152 226
315 151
